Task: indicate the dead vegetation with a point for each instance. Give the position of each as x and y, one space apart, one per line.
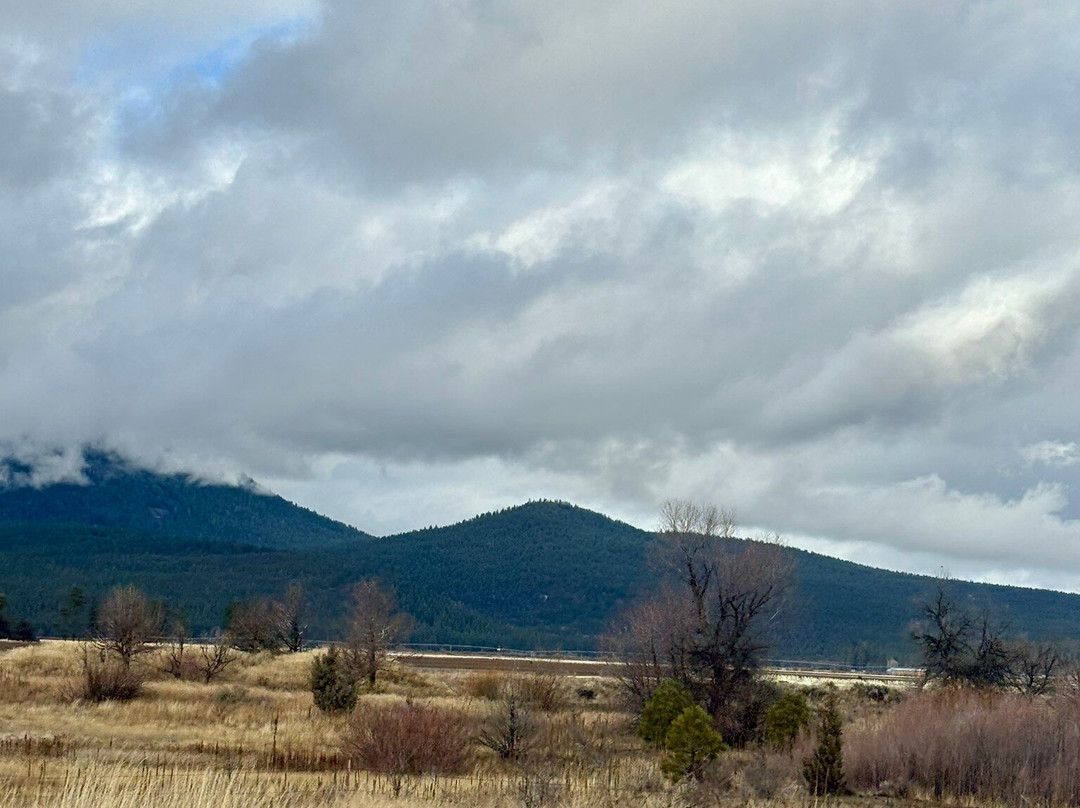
253 737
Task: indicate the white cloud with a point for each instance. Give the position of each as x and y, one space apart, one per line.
1052 453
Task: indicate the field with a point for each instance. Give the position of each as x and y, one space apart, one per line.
254 738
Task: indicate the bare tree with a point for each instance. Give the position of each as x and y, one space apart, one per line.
707 627
126 624
375 624
681 517
960 650
174 654
992 659
944 637
215 656
291 618
270 625
255 625
652 639
1033 667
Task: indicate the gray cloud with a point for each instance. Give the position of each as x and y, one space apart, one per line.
410 263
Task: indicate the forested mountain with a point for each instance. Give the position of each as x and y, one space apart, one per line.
543 575
171 506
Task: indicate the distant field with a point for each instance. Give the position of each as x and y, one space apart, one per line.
602 668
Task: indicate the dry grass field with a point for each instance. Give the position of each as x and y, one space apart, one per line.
254 738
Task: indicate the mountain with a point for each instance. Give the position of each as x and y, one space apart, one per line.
542 575
170 506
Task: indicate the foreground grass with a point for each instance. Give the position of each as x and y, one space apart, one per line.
254 739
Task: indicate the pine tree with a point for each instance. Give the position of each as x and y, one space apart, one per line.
333 687
824 770
665 705
690 744
784 719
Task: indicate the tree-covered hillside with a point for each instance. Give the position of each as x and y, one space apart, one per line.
543 575
172 506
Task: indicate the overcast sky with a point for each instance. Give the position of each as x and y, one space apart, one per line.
406 262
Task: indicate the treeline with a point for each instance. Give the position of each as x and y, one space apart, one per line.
13 627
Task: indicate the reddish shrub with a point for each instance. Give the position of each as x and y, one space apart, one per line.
409 738
990 746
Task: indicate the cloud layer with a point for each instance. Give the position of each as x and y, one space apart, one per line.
407 263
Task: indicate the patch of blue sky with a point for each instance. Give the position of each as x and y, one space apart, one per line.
143 69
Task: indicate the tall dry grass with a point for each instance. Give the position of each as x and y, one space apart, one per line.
100 785
962 745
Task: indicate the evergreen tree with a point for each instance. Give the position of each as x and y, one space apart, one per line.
667 702
691 743
783 720
5 622
332 685
73 613
824 770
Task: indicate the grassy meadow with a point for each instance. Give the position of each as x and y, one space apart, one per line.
253 738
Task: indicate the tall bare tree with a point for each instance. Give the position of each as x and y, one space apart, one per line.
374 625
126 624
707 627
255 625
291 618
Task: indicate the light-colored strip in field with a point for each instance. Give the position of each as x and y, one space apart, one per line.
597 667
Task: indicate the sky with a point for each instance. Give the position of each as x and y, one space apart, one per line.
408 262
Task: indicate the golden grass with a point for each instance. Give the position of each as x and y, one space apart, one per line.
253 738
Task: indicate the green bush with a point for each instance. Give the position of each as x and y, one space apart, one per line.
824 770
667 703
784 719
690 744
333 687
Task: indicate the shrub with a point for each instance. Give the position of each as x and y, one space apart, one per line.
824 770
667 703
107 679
784 719
232 695
976 747
690 743
878 693
742 719
542 691
484 685
333 686
408 738
509 728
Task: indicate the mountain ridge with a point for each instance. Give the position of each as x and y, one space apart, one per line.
544 574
